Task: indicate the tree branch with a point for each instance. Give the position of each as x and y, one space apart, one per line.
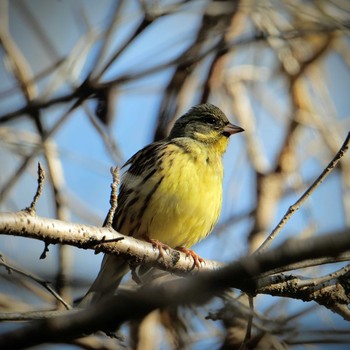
114 311
293 208
43 283
100 239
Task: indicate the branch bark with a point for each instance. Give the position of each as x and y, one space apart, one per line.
100 239
112 312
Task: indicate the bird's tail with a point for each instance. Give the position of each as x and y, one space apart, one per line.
113 269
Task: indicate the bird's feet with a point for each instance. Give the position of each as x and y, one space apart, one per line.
197 260
162 248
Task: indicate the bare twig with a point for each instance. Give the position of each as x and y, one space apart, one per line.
107 37
17 61
110 144
126 306
43 283
111 242
293 208
46 250
331 293
297 35
318 280
114 197
11 182
248 333
41 178
55 231
57 182
142 26
314 262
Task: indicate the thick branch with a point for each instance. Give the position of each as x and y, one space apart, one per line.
100 239
112 312
109 241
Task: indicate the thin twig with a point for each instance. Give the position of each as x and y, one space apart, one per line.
142 26
313 262
248 333
317 281
42 282
107 38
46 250
41 179
113 312
110 144
113 201
293 208
4 191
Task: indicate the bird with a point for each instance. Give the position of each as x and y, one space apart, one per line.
171 193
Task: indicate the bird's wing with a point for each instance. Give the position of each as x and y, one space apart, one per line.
140 167
137 169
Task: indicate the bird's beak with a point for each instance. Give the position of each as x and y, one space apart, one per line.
232 129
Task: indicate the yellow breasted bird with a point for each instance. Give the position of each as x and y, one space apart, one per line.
171 195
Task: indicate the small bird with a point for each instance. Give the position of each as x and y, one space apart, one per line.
171 194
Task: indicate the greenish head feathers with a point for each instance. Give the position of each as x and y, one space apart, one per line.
204 122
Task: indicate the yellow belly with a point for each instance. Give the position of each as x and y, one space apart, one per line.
187 202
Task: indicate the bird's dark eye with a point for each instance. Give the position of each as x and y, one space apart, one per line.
209 120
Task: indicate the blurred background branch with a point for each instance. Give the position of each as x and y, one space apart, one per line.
84 85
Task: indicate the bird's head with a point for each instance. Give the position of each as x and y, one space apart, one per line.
205 123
